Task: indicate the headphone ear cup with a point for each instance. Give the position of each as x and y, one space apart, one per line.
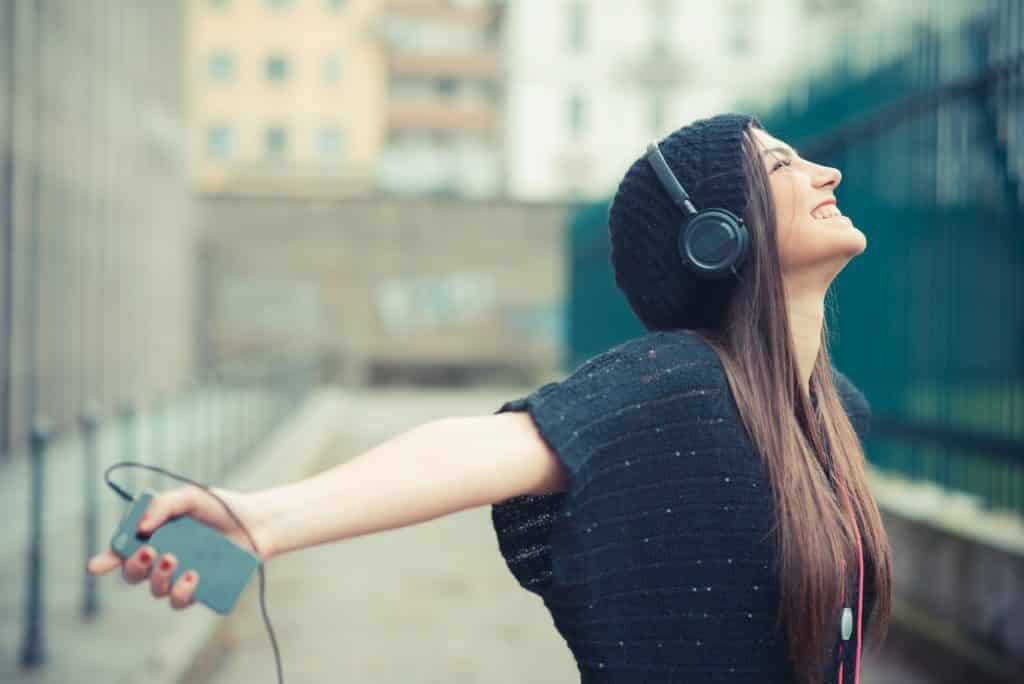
713 244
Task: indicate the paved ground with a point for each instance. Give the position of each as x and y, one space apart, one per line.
428 604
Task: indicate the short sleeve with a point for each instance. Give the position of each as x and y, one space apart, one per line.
587 420
856 405
528 526
561 410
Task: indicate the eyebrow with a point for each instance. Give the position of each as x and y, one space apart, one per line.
785 150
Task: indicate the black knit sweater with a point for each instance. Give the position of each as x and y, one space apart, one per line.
657 564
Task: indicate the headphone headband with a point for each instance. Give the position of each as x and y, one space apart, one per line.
668 179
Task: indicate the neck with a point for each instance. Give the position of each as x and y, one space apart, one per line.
806 316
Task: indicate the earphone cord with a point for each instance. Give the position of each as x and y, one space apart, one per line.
263 607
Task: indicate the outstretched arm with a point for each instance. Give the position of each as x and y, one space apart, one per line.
434 469
440 467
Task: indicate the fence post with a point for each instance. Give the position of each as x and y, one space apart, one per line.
156 444
193 441
33 653
129 443
89 422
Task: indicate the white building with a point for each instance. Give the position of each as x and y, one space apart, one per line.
590 82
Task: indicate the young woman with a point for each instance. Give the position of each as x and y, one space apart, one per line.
691 505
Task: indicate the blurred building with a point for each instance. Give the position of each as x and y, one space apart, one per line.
97 281
589 83
445 83
287 96
345 97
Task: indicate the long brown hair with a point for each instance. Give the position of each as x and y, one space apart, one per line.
752 337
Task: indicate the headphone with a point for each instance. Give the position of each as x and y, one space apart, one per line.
713 243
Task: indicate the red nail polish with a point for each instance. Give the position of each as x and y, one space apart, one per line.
144 557
190 576
165 564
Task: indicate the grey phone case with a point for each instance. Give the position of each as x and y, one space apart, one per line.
224 567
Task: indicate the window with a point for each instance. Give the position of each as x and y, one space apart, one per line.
577 25
661 14
222 67
331 143
742 19
741 40
576 114
332 69
277 68
447 86
277 142
220 142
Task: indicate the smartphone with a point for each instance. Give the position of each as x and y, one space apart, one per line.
224 567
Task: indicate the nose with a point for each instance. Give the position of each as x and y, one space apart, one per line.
828 175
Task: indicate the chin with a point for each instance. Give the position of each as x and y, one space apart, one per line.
862 240
853 240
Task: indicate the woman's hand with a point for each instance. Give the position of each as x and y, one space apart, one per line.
196 502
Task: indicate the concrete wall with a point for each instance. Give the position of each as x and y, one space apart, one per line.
957 572
418 288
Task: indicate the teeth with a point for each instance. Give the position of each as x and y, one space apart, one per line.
827 211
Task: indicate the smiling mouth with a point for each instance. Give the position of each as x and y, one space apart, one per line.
826 212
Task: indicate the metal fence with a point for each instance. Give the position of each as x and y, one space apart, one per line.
204 431
931 145
597 316
930 320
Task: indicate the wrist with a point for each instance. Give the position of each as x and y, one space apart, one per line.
265 507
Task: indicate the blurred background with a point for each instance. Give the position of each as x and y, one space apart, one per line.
248 239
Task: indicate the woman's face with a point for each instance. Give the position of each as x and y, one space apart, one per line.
812 245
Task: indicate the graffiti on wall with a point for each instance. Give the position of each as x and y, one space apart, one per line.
429 302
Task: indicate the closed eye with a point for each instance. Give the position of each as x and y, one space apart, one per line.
782 162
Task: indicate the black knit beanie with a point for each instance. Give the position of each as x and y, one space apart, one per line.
643 223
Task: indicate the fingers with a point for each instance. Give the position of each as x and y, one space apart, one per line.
137 566
103 563
160 578
183 590
142 564
182 595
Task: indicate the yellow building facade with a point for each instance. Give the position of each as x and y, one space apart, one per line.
285 96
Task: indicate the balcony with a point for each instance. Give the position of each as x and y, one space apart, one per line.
439 115
437 27
440 11
473 65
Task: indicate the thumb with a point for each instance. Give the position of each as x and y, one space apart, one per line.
167 505
103 563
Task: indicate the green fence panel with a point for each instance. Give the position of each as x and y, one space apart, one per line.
598 315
